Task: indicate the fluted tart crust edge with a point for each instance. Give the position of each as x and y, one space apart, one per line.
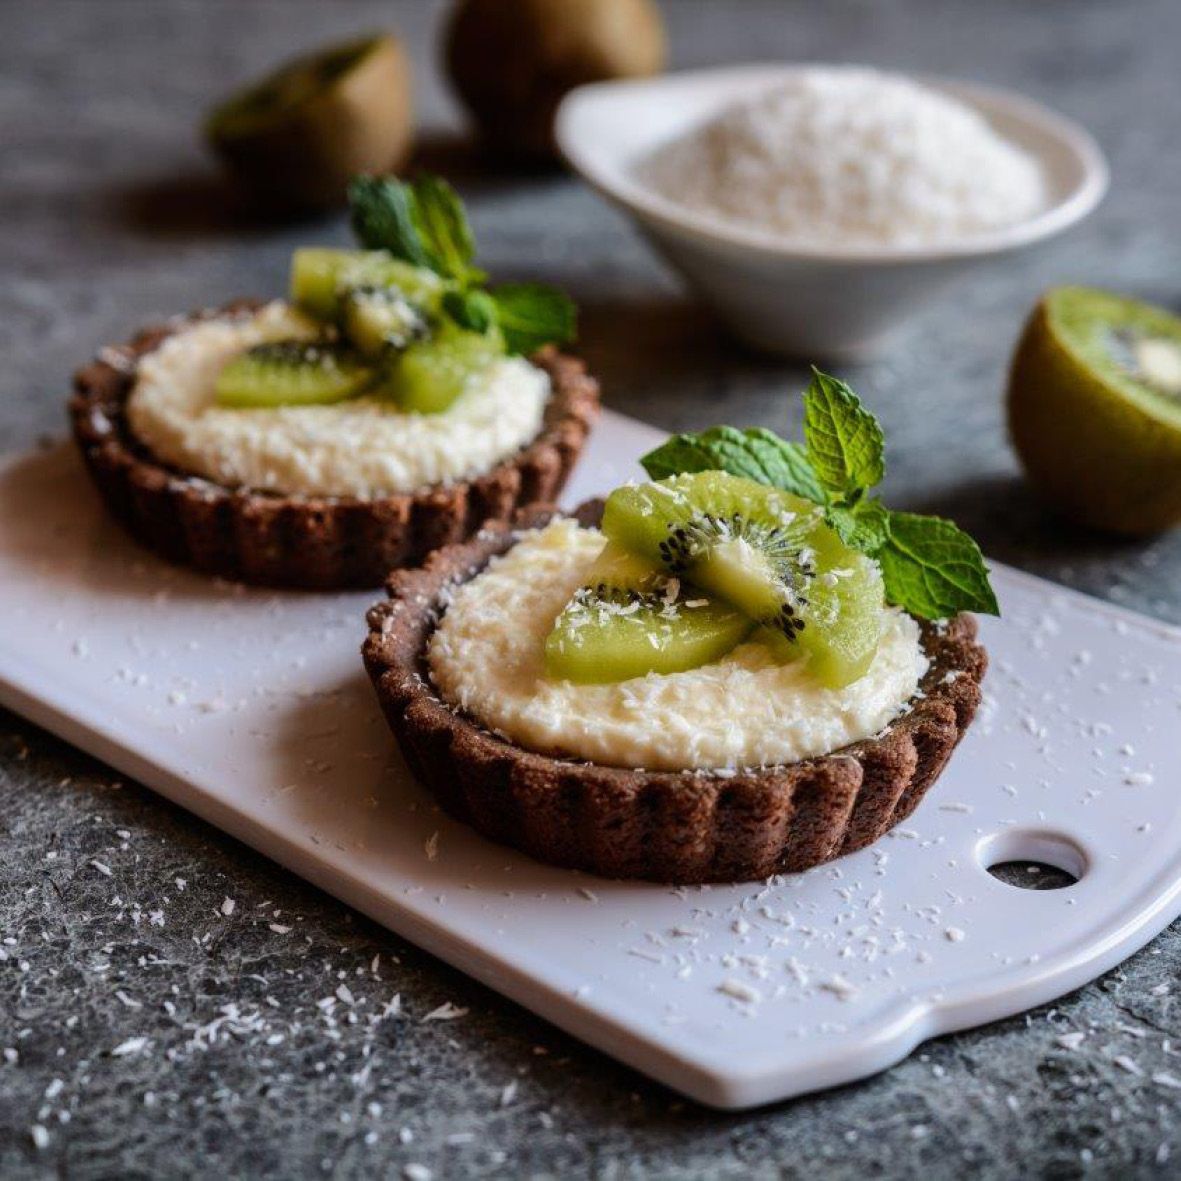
314 542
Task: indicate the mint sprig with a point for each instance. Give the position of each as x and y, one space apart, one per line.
383 216
424 223
442 225
930 567
757 454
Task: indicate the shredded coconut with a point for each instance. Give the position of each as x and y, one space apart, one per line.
740 991
844 155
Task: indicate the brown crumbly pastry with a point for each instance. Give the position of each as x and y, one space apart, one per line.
316 542
686 826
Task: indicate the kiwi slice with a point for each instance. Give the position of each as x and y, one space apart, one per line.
1095 409
377 319
427 376
631 618
298 136
766 552
321 276
291 373
841 622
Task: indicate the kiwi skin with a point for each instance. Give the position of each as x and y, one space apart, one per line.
1115 467
301 158
513 61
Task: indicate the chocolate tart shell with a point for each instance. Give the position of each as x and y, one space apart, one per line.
315 542
681 827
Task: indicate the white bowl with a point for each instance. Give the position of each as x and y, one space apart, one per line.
790 297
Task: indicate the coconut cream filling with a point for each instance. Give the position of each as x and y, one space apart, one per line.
486 657
365 447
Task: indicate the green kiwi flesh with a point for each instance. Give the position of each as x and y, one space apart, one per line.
766 552
842 620
379 319
256 107
631 619
321 276
1132 346
429 375
291 373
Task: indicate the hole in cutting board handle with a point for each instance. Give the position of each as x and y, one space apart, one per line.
1032 859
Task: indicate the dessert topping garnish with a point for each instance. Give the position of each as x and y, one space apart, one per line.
784 534
931 568
424 223
410 311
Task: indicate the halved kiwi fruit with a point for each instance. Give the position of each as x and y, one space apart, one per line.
766 552
379 319
428 375
1095 409
299 135
321 276
291 373
631 619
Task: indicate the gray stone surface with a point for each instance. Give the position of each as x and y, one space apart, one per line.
109 215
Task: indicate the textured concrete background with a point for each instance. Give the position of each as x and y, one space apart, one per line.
113 910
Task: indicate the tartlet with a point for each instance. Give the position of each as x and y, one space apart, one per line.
394 403
668 826
315 542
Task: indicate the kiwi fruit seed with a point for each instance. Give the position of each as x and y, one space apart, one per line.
512 63
296 138
765 552
1095 409
631 618
291 373
428 375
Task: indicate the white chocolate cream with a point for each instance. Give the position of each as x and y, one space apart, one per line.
365 447
487 658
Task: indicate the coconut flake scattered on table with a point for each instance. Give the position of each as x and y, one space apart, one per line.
844 155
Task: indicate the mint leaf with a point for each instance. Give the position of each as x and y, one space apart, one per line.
845 443
443 229
423 223
532 314
864 527
382 214
473 310
933 569
754 454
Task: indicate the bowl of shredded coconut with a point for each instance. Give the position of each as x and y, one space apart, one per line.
814 207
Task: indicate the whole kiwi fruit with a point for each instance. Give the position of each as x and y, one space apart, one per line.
296 137
512 61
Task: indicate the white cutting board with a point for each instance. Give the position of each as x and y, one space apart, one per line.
252 709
